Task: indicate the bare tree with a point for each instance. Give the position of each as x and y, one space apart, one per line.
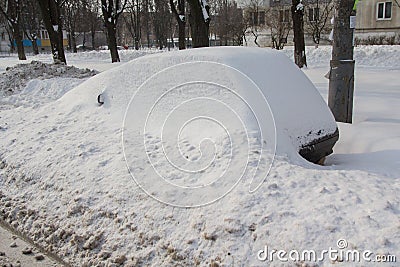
146 18
199 19
72 10
11 10
178 9
9 35
31 25
319 12
112 9
228 23
280 26
237 25
132 21
255 18
162 22
91 18
51 14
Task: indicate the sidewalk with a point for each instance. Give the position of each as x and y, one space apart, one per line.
16 252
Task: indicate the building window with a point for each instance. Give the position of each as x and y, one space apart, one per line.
284 15
261 18
44 34
313 14
255 18
384 10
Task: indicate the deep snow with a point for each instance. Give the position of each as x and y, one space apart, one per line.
37 83
64 182
98 59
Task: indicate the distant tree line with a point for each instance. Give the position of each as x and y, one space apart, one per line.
147 23
193 21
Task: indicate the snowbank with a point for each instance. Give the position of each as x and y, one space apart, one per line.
38 83
376 56
236 87
38 92
104 55
98 60
65 183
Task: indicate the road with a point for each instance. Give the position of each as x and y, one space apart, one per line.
12 248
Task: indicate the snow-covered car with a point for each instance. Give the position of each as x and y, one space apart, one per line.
262 86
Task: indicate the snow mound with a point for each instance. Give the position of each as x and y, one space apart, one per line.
374 56
104 55
64 178
255 75
186 98
16 78
38 92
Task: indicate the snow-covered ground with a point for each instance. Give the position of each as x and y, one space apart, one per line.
64 181
100 60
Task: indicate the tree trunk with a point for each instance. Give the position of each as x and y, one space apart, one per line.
181 35
148 32
136 43
198 24
18 41
112 42
148 37
35 47
93 33
69 41
73 40
138 34
111 11
13 14
51 15
180 19
147 18
59 48
298 31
